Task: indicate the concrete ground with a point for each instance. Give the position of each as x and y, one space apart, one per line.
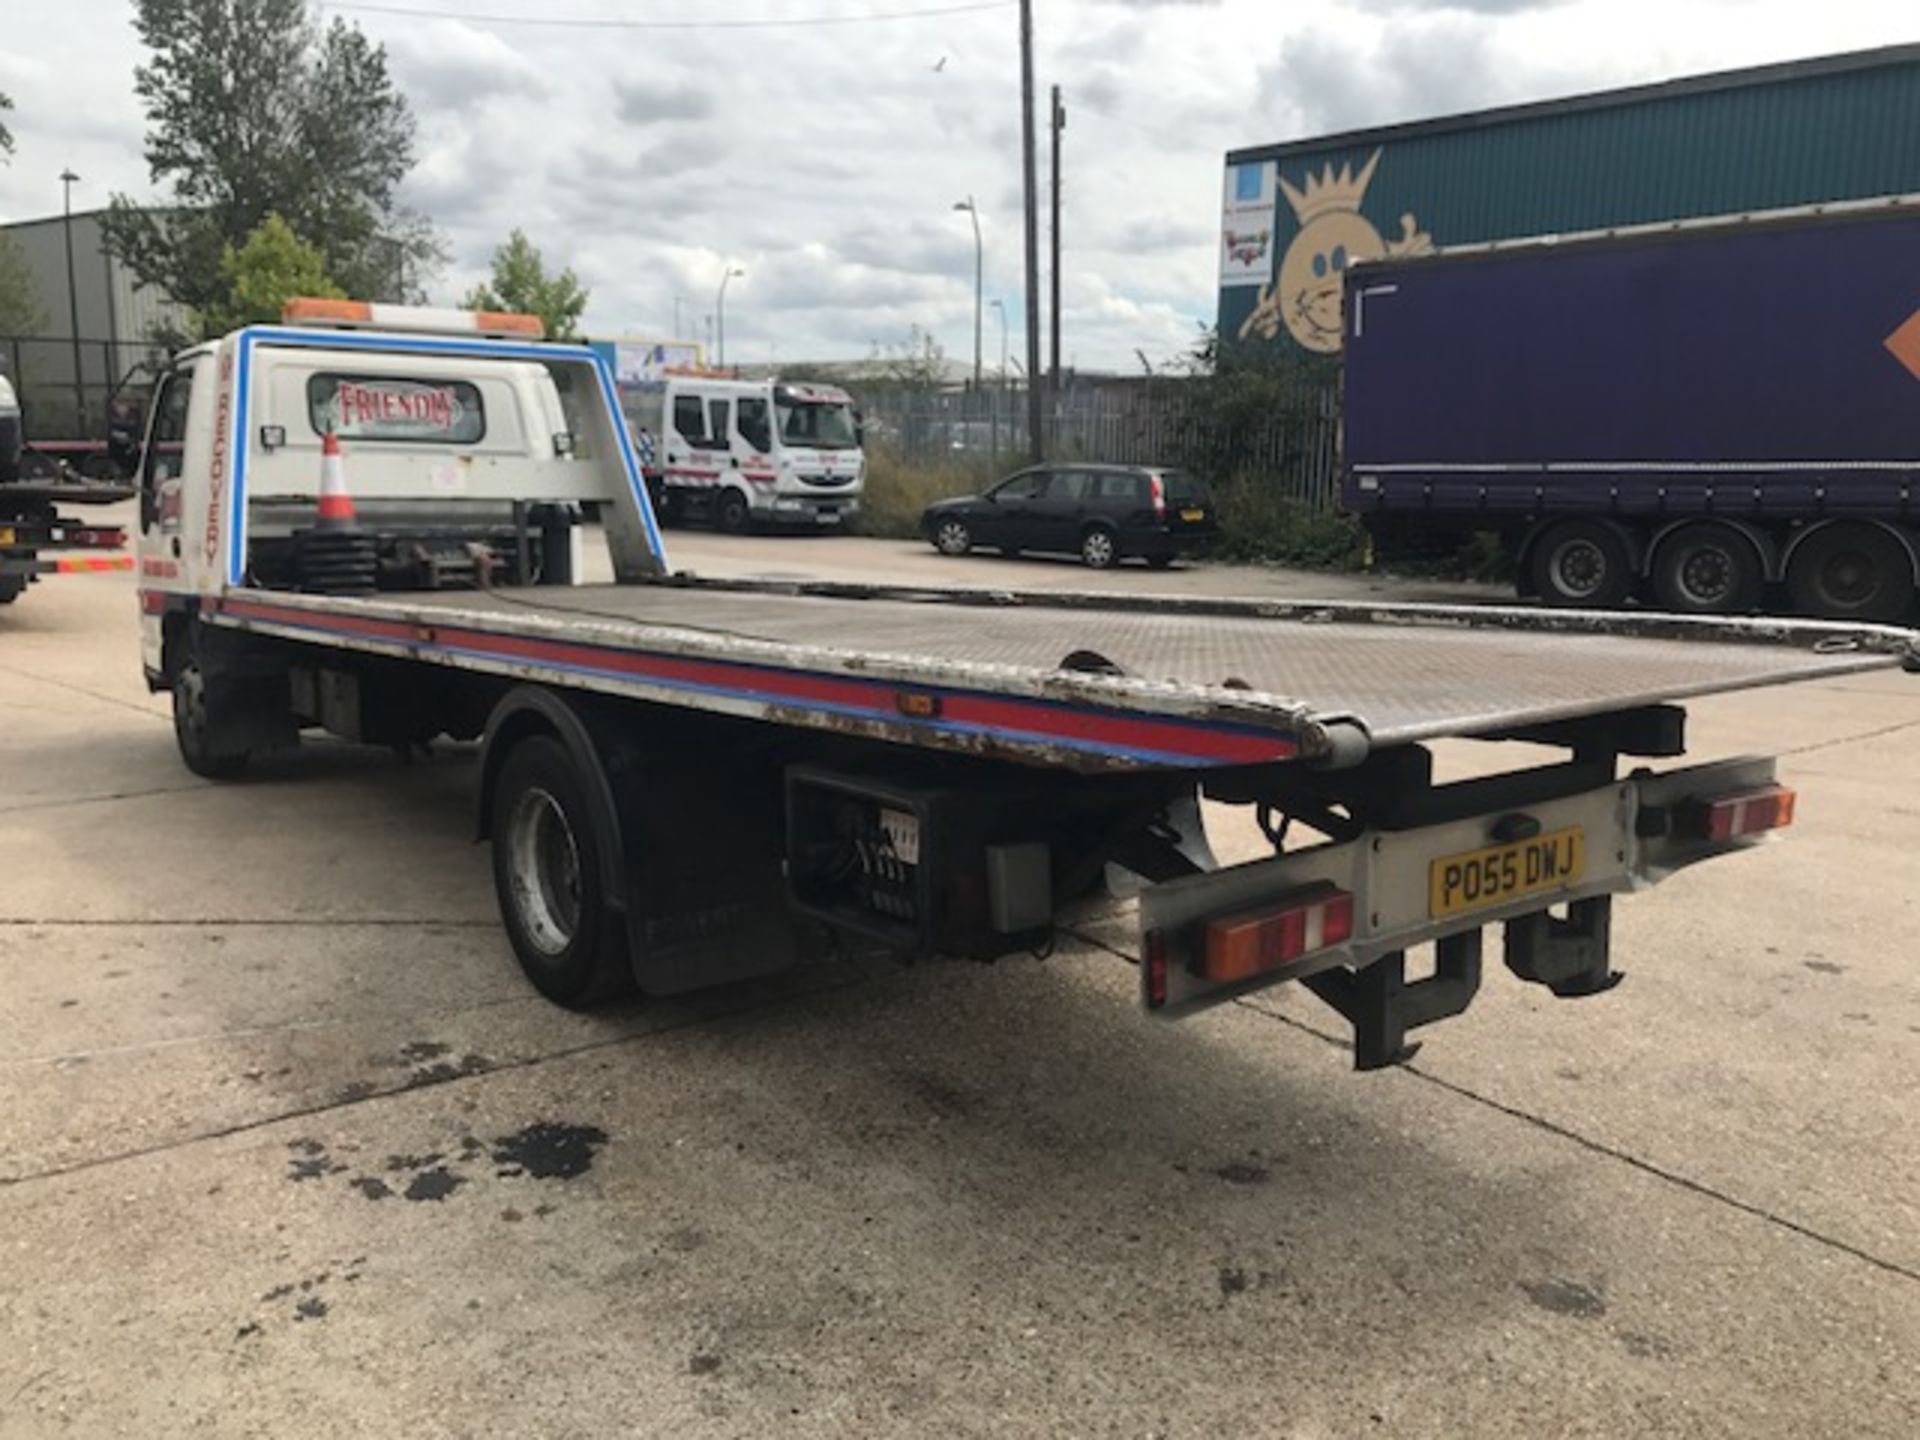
287 1146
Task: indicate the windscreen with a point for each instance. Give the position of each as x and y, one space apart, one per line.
1182 486
822 425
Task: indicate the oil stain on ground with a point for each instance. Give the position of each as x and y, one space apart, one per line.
1566 1297
545 1150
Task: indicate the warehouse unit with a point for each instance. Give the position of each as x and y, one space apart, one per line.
1295 216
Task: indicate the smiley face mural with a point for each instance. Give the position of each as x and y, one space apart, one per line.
1333 236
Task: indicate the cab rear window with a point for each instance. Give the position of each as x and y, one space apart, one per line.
388 407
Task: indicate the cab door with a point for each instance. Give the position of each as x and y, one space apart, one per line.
163 562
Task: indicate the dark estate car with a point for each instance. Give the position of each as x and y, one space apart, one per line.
1102 513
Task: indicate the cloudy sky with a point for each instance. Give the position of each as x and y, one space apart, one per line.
824 159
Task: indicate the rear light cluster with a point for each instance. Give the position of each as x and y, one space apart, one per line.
1159 497
1237 947
1751 812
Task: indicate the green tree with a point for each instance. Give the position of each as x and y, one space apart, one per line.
20 312
917 363
521 284
253 110
272 267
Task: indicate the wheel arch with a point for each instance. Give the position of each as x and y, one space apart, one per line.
530 710
1903 538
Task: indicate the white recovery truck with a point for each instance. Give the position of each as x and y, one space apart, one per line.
747 453
679 776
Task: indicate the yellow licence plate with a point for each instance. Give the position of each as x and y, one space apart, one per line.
1476 879
6 534
1193 514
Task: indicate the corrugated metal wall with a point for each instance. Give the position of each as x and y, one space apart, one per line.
1841 129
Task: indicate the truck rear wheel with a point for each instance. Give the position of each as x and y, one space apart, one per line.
1582 563
1707 569
1851 571
548 878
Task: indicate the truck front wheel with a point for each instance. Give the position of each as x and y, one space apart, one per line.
1707 569
194 727
547 876
731 512
1582 563
1851 572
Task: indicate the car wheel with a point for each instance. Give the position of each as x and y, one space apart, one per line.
951 536
1707 569
1100 548
731 512
1851 572
547 873
1582 563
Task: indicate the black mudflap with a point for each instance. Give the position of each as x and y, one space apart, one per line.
706 891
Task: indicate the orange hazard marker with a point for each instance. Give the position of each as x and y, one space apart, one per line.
336 505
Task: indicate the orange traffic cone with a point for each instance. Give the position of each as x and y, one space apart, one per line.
336 505
335 556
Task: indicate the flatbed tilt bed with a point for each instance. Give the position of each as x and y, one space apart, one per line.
1244 679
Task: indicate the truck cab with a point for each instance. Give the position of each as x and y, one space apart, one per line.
745 453
469 446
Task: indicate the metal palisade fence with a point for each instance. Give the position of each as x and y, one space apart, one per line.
68 388
1146 421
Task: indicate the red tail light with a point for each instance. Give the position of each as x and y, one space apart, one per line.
1159 498
1253 941
1751 812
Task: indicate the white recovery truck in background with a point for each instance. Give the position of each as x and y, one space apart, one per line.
747 453
680 777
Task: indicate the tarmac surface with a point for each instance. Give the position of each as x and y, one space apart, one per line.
287 1146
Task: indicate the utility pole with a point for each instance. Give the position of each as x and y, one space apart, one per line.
67 181
1035 437
1059 124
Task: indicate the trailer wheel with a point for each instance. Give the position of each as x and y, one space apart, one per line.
1100 548
1851 572
1583 563
547 877
731 512
1707 569
192 727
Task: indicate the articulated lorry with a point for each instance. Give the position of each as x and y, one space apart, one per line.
35 537
365 520
1716 415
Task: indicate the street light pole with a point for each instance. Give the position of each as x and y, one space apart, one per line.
978 269
720 316
67 182
1036 443
1000 309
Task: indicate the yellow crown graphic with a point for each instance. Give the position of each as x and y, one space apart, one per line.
1327 191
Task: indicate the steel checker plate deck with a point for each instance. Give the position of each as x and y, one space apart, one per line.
1405 673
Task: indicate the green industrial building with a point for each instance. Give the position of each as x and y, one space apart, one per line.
1843 127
